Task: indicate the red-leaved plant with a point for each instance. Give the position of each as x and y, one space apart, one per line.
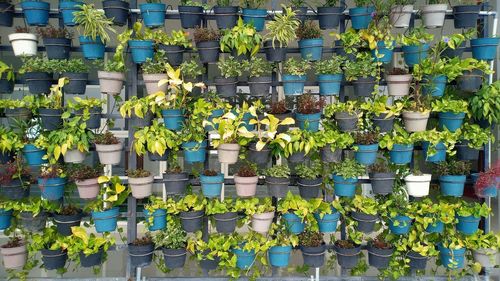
14 170
487 179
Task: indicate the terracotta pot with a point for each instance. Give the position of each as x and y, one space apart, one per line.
14 257
228 153
111 82
109 154
151 83
398 85
141 187
262 222
415 121
74 156
88 189
245 186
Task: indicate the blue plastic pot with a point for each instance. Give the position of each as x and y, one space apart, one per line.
141 50
246 121
293 84
344 187
361 17
279 256
400 225
401 154
67 9
257 17
173 118
366 153
308 122
294 223
159 219
384 52
215 113
52 188
484 48
437 227
194 151
244 259
311 49
153 14
468 225
5 218
452 185
434 85
36 12
452 259
329 221
106 221
414 54
440 155
92 49
329 84
211 186
33 155
451 121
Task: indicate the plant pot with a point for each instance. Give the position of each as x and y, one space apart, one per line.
452 185
175 183
440 154
279 256
366 222
309 188
308 122
33 155
14 190
379 258
451 258
23 44
489 191
344 187
226 17
293 84
57 48
294 223
329 17
191 16
414 54
470 81
417 261
465 153
361 17
50 118
364 86
330 84
244 258
141 255
92 49
116 10
77 83
74 156
6 157
415 121
226 87
262 222
454 53
383 53
486 257
194 152
468 225
347 258
256 156
246 186
434 85
296 157
383 123
54 259
64 223
109 154
330 156
38 82
484 48
156 220
437 227
52 188
418 186
5 219
141 187
92 259
328 223
6 86
94 121
400 15
111 83
174 258
6 14
151 83
15 115
106 221
346 121
311 49
466 16
256 17
276 53
209 51
228 153
36 13
192 221
382 183
433 15
226 223
313 256
400 225
366 153
32 223
153 14
141 50
174 54
215 114
277 187
211 186
399 85
260 86
14 258
88 189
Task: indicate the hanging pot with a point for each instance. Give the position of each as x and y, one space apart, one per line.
313 256
173 119
228 153
141 50
92 259
331 155
347 258
468 225
400 15
415 121
414 54
67 8
15 115
94 121
77 83
311 49
364 86
276 53
330 84
36 13
50 118
74 156
379 257
38 82
256 17
309 188
106 221
433 15
434 85
174 53
277 187
418 185
383 123
14 258
211 186
141 255
23 44
470 81
452 185
54 259
6 14
244 258
192 221
92 49
141 187
116 10
32 223
175 183
260 86
400 225
209 51
382 183
366 153
109 154
52 188
246 186
297 157
174 258
466 16
486 257
484 48
88 189
294 223
258 156
417 261
262 222
361 17
153 14
329 17
436 227
34 155
226 17
226 222
57 48
111 83
195 152
293 84
451 258
465 153
383 52
399 85
15 190
226 87
151 83
328 223
65 222
156 220
191 16
366 222
454 53
279 256
5 219
347 122
440 154
344 187
6 86
339 49
308 122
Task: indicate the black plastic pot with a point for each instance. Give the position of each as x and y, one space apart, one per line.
240 57
17 114
157 156
417 261
382 183
6 14
38 82
92 259
191 16
347 258
339 50
192 221
466 16
32 224
94 121
6 157
379 258
465 153
364 86
6 86
258 157
313 256
384 124
226 17
209 51
470 81
14 190
454 53
300 12
57 48
309 188
175 184
329 156
141 255
116 10
226 87
51 118
366 223
346 122
54 259
175 54
329 17
226 223
296 157
77 83
174 258
277 187
281 117
64 223
260 86
274 54
207 264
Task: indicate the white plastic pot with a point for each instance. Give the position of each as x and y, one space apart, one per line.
401 15
109 154
486 257
111 82
88 189
415 121
245 186
151 83
418 186
262 222
433 15
14 257
74 156
399 85
23 44
141 187
228 153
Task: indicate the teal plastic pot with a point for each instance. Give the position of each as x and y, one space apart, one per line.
329 84
451 121
36 13
344 187
141 50
293 84
279 256
159 219
452 259
414 54
107 220
484 48
211 186
153 14
5 218
308 122
400 225
257 17
385 52
434 85
67 9
294 223
311 49
468 225
437 227
452 185
366 153
33 155
361 17
52 188
244 259
440 154
401 154
328 223
173 118
195 152
215 113
92 49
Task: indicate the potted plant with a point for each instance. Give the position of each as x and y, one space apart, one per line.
484 248
175 179
416 111
33 213
325 215
398 82
109 148
153 71
211 183
381 113
15 180
366 147
155 213
329 14
36 13
38 74
400 145
260 211
472 77
364 210
138 110
379 39
140 182
18 110
279 110
141 251
486 184
67 217
361 14
252 14
331 143
226 15
469 214
207 44
401 13
433 13
295 210
246 180
456 44
259 76
482 105
230 69
191 13
310 179
312 247
224 213
247 248
94 26
451 113
379 252
140 42
214 252
310 41
243 40
281 30
14 253
452 177
415 45
346 115
10 144
277 180
294 76
192 211
86 180
452 251
112 76
7 13
52 246
363 72
153 12
329 74
397 214
77 74
434 73
472 139
484 48
117 10
382 178
173 45
7 78
6 211
156 140
88 109
436 144
418 183
345 177
308 112
24 43
194 133
89 250
57 41
300 146
173 244
280 247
